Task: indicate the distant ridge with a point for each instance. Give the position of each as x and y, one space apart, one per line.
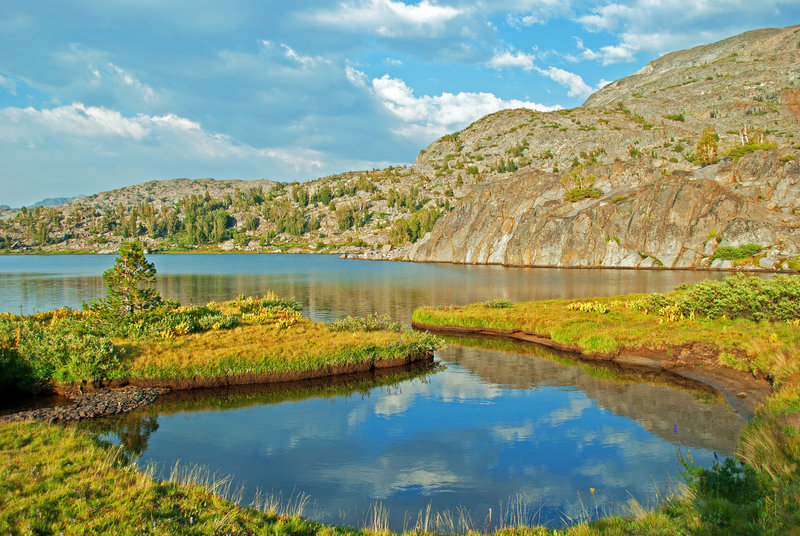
52 201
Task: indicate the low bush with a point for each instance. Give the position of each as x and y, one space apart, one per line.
735 253
371 322
588 192
736 296
498 303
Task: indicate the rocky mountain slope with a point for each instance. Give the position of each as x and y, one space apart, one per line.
629 179
691 162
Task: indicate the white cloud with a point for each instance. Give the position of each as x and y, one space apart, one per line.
306 62
607 18
389 18
356 77
8 84
575 85
428 116
127 79
508 59
658 27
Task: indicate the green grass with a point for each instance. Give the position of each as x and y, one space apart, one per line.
246 336
58 480
735 253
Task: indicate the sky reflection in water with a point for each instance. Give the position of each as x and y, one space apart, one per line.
493 425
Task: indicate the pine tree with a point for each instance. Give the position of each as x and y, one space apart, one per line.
130 283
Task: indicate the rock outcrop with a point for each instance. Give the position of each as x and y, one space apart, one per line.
654 205
644 218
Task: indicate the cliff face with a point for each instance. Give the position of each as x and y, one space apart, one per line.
635 143
645 218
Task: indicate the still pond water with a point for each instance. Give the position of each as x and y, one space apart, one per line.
494 424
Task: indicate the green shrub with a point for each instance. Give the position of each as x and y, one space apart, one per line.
729 480
735 253
371 322
62 354
498 303
735 296
741 150
576 194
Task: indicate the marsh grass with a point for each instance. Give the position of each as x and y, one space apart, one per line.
58 480
247 335
753 320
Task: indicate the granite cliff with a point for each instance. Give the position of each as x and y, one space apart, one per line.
627 180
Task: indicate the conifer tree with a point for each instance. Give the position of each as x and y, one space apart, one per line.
130 283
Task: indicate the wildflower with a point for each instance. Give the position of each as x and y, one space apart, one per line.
591 490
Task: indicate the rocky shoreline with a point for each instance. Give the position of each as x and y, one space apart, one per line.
91 405
97 403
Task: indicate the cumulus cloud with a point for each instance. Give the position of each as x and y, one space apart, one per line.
508 59
429 116
389 18
574 83
92 148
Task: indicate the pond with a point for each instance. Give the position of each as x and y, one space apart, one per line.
495 432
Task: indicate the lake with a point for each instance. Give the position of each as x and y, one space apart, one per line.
496 430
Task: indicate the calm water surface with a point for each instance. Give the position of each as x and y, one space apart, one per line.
327 286
500 423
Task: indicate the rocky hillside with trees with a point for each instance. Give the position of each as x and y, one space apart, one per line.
693 161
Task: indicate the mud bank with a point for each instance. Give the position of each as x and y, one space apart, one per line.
696 362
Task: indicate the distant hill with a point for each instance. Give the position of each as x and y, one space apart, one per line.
53 201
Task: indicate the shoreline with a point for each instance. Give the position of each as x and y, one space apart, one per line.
364 256
741 390
135 393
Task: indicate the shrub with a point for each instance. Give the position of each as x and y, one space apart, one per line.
749 147
498 303
371 322
576 194
736 296
735 253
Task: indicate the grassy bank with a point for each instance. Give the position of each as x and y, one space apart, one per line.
255 337
743 322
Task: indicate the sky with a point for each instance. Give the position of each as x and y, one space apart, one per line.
101 94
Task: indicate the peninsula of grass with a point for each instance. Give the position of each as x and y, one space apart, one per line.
742 323
246 340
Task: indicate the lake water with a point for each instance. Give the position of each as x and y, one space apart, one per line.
497 424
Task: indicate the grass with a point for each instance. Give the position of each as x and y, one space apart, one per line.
245 336
267 349
659 322
59 480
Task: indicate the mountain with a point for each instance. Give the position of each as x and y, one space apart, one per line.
53 201
629 179
694 161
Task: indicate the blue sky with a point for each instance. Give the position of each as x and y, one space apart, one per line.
100 94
